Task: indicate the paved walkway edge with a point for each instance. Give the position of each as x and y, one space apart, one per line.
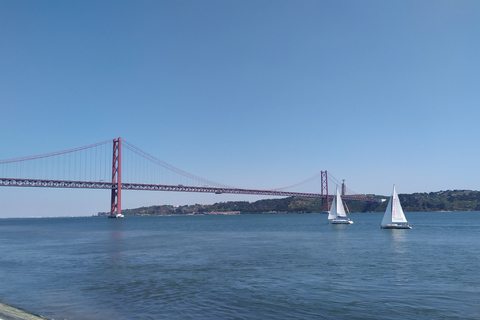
11 313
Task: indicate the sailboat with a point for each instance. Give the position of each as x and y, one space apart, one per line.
394 217
337 214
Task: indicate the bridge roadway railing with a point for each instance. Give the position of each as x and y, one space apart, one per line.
14 182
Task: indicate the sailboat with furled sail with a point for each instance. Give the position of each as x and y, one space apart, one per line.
394 217
337 214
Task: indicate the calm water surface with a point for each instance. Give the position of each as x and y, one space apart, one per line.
242 267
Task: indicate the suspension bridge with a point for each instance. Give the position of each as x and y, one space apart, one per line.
103 166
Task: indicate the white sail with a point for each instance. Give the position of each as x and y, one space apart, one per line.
394 212
332 214
397 211
387 217
340 207
337 210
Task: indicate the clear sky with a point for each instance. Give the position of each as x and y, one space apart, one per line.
254 94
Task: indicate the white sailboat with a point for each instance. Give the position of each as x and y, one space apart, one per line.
337 214
394 217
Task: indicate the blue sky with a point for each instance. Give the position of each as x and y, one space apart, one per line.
254 94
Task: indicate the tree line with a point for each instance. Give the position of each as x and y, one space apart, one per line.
450 200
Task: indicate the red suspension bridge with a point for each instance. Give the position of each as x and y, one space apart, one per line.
96 167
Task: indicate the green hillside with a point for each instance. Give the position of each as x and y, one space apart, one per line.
456 200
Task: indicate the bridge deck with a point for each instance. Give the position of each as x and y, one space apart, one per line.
14 182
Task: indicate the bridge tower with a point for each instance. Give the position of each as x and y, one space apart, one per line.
116 201
324 182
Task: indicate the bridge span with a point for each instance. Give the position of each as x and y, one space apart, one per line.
14 182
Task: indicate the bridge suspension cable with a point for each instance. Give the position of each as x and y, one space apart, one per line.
315 176
93 163
338 183
51 154
168 166
82 163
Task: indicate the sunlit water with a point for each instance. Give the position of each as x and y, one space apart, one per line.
242 267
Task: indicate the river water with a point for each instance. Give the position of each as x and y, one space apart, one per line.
283 266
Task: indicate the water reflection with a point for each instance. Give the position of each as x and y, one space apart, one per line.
397 237
115 244
399 260
340 237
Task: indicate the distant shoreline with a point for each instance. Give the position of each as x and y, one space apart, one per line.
441 201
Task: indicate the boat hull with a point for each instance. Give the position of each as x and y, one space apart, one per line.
396 226
340 221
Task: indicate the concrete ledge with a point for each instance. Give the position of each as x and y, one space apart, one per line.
10 313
